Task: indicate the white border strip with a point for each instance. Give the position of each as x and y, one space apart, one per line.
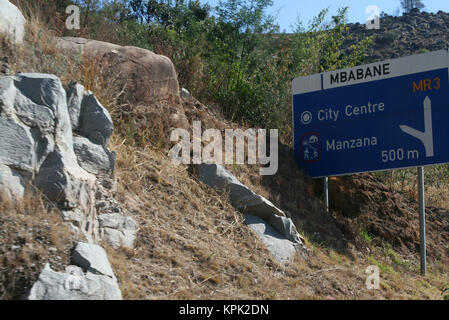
397 67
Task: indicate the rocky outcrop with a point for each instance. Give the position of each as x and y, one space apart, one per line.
57 142
36 144
90 277
398 36
247 201
12 22
114 224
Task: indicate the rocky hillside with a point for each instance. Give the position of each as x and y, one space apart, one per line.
92 207
414 32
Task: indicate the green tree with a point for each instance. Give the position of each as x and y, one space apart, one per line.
236 57
408 5
240 43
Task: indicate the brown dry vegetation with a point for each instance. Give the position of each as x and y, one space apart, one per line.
191 243
31 235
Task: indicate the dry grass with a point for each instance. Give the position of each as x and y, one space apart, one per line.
31 235
193 245
405 181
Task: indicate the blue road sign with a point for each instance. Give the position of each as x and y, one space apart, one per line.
381 116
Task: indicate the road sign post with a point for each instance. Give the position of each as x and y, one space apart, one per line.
381 116
422 219
326 193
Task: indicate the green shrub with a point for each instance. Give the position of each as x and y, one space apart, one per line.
232 55
388 37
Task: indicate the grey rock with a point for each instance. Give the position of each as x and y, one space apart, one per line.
96 123
65 183
46 90
118 230
74 270
280 248
92 157
92 258
75 216
80 222
36 139
27 128
11 182
34 115
247 201
16 144
75 95
119 238
12 22
241 197
107 183
74 285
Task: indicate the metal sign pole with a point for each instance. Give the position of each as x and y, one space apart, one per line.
422 219
326 193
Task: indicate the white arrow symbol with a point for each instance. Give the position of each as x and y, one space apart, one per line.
426 137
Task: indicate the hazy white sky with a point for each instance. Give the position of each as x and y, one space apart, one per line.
287 11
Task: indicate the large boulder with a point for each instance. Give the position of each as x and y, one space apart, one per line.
89 278
12 22
148 76
150 80
36 141
247 201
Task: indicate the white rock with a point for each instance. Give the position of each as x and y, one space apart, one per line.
16 145
12 21
11 182
36 139
92 157
280 248
247 201
118 230
74 285
75 95
92 258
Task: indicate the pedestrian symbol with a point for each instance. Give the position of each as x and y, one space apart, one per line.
310 146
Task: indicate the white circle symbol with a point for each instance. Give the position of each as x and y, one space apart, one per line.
306 117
